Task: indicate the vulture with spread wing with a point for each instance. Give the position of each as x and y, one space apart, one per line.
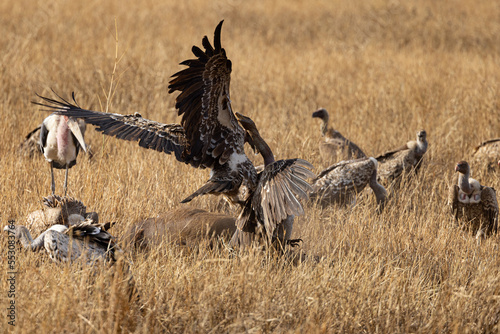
473 204
209 136
270 208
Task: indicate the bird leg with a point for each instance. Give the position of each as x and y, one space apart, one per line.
52 175
66 181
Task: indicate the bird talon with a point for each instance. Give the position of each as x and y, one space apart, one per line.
294 242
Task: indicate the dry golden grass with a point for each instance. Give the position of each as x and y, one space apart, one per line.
384 69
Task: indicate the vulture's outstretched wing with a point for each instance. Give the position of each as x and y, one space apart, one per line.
166 138
209 135
204 103
275 197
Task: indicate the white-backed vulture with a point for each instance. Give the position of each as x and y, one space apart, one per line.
60 140
334 146
59 210
341 182
30 146
473 205
487 154
402 161
87 239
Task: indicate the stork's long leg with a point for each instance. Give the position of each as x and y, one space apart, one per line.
66 181
52 175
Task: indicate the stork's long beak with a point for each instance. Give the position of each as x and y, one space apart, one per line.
75 129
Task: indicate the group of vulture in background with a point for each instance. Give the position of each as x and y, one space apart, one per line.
210 135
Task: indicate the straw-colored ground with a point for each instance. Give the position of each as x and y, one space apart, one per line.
384 69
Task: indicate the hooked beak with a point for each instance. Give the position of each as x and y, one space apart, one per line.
317 113
246 122
75 129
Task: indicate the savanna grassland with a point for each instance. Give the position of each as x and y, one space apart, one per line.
384 69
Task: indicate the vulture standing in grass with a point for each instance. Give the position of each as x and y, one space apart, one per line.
487 155
335 147
209 136
59 210
88 239
341 182
60 140
404 160
473 205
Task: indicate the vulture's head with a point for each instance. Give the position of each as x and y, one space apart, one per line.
421 135
246 123
252 136
462 167
320 113
18 231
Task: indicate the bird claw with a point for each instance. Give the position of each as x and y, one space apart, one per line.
294 242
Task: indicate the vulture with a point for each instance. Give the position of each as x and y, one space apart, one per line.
269 209
473 205
335 147
59 210
341 182
208 136
487 155
63 243
30 146
60 140
404 160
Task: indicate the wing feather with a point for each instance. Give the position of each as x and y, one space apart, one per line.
276 197
203 102
125 127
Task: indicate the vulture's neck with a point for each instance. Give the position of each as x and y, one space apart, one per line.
463 182
324 125
378 190
421 146
28 242
263 148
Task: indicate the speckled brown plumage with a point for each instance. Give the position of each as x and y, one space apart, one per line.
341 182
334 146
57 210
405 160
474 206
30 146
487 155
